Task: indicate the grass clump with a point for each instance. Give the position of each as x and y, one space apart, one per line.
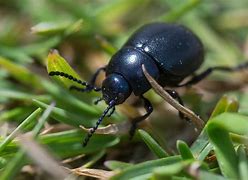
38 110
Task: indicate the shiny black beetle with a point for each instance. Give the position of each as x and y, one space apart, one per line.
169 52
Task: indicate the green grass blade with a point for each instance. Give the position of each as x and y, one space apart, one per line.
224 150
233 106
59 142
106 46
144 170
72 102
204 175
74 27
179 11
3 162
204 153
20 73
16 114
57 63
152 144
233 122
167 171
40 49
184 150
243 163
94 159
42 120
64 116
15 165
116 165
201 147
220 107
225 104
15 53
50 28
218 130
19 95
29 119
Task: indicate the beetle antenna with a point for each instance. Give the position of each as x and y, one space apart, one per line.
70 77
111 112
93 129
87 89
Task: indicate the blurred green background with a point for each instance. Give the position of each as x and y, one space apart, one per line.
86 33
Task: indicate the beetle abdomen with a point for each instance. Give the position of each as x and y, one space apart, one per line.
175 48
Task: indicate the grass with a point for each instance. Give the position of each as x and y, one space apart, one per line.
86 34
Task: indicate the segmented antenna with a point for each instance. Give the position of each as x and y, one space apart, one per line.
111 112
93 129
70 77
87 89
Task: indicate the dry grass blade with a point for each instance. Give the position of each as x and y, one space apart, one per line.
110 129
198 122
96 173
69 160
41 157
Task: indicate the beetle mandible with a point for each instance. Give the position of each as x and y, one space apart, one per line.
169 52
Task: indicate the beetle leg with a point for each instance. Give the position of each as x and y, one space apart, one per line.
91 84
176 96
148 107
93 78
206 73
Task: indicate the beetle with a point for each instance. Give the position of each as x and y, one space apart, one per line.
169 52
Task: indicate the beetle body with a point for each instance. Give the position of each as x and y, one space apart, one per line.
170 52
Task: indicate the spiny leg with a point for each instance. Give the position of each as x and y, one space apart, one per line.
148 107
91 82
176 96
94 76
206 73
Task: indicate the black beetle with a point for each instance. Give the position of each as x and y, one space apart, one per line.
169 52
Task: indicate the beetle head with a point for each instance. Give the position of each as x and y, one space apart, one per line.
115 88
